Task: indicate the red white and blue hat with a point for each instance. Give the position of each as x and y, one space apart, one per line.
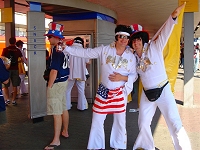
55 30
138 30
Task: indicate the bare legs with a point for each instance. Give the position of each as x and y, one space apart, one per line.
60 120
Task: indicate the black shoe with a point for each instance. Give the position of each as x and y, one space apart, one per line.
14 103
24 94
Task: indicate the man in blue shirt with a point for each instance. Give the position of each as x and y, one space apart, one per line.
56 86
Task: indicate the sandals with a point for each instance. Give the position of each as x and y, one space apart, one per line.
51 147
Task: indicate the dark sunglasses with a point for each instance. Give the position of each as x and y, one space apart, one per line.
123 36
49 37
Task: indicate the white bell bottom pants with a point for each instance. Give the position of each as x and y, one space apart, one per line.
167 105
22 86
82 102
118 137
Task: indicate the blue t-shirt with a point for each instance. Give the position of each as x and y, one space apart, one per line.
58 61
4 75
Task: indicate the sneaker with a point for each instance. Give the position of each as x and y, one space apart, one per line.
7 101
6 104
14 103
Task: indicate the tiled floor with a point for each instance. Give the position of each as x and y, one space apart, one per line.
19 132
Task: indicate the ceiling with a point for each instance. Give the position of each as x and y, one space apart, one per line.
150 14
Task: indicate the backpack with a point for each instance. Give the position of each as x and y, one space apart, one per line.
46 74
12 57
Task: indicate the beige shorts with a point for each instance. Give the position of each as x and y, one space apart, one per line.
56 98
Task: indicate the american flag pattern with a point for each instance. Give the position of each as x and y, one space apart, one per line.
136 28
56 26
109 101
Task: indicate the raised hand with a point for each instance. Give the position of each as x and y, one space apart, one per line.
177 11
60 46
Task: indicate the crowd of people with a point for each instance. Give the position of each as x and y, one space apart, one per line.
196 57
16 71
132 54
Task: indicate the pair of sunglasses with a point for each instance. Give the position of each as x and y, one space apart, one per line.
123 36
49 37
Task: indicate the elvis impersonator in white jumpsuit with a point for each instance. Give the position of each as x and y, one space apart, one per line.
77 75
151 69
111 97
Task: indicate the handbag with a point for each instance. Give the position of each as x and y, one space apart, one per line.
154 94
21 66
46 74
47 70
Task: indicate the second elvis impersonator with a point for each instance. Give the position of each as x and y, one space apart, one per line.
151 68
111 97
77 75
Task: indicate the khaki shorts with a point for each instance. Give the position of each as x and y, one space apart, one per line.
14 78
56 98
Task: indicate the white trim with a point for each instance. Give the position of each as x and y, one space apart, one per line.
124 33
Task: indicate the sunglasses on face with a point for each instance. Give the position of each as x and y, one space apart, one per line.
49 37
137 40
123 36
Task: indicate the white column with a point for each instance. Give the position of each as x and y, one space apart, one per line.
36 63
188 58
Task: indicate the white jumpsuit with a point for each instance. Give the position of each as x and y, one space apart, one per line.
154 76
125 65
77 75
